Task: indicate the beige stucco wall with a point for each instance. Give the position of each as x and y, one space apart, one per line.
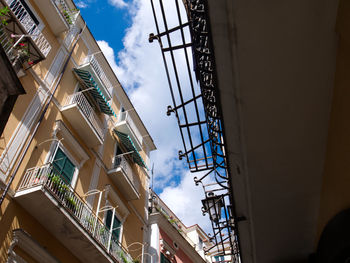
335 191
13 217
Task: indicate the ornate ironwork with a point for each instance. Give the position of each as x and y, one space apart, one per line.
189 61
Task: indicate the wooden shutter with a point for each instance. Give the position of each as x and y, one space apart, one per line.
63 166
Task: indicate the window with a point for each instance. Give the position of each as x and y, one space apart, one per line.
163 259
117 158
116 224
63 166
219 258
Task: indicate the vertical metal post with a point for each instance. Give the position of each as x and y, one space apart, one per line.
97 211
111 230
143 246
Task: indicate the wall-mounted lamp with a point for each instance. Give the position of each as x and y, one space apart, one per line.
213 205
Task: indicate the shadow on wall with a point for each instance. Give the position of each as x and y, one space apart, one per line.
7 222
334 244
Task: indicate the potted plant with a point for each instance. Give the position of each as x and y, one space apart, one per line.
67 17
71 203
89 222
123 257
57 185
3 12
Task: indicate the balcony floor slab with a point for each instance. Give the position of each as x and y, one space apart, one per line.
81 124
124 184
42 205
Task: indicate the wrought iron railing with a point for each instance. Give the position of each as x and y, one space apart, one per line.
81 101
184 35
121 162
49 178
125 116
70 15
31 28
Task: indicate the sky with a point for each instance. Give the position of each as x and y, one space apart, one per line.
122 28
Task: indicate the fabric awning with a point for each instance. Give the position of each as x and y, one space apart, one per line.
129 145
88 81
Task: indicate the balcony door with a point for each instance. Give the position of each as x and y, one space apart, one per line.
63 166
116 225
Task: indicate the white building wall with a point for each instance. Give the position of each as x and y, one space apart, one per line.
154 244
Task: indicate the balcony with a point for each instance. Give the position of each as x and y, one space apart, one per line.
81 115
98 75
65 214
124 178
61 17
20 37
126 125
28 27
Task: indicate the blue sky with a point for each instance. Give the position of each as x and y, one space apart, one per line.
122 28
105 21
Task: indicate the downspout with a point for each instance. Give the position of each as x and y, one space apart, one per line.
40 119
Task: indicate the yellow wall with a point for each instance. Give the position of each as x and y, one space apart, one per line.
12 217
335 195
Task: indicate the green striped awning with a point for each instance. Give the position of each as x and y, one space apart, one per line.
88 81
128 143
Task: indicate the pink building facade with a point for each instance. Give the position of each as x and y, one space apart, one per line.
170 241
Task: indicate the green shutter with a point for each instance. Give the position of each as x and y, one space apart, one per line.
88 82
163 259
63 166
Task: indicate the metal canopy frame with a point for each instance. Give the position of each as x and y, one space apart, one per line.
187 52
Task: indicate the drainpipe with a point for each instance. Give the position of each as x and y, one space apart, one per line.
40 120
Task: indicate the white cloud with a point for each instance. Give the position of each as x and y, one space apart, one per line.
81 5
185 201
109 54
118 3
141 71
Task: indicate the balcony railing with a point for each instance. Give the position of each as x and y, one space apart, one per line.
130 129
70 15
100 72
81 101
30 27
121 162
51 180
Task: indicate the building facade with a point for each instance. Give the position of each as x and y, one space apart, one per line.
170 240
74 152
